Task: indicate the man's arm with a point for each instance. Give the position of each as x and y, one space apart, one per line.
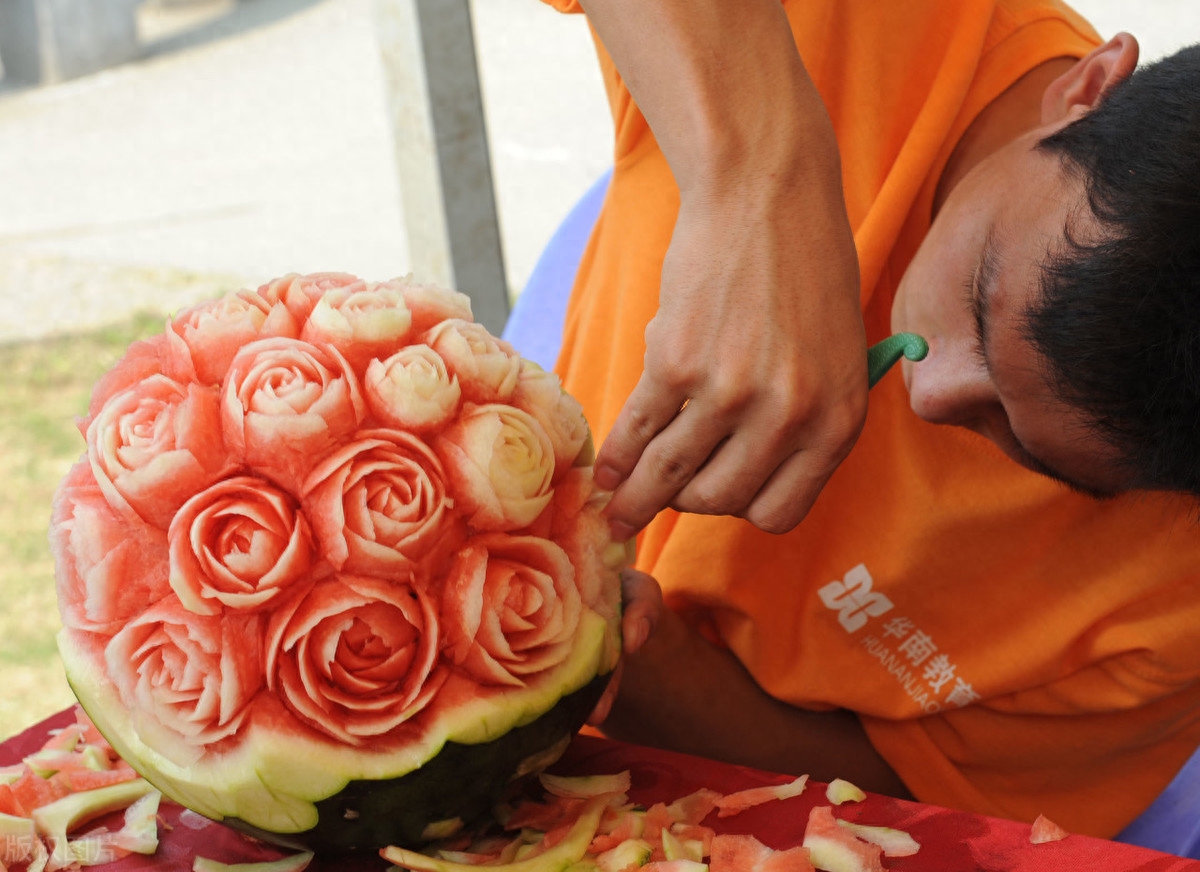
754 385
682 693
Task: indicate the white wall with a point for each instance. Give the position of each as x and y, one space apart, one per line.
1161 26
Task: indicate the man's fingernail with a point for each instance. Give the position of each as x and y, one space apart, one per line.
620 531
606 478
640 634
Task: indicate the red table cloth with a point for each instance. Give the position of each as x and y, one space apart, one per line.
950 840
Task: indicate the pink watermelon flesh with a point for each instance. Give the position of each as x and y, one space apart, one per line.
744 853
834 848
744 799
1045 830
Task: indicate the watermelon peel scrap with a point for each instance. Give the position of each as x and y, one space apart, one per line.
588 824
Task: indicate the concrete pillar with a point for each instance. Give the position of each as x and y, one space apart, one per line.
44 41
441 148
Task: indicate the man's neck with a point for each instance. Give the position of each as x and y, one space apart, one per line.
1018 110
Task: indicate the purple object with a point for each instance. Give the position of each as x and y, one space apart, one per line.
1172 822
535 325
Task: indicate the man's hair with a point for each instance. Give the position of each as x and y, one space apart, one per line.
1118 317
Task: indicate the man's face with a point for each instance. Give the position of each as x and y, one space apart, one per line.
967 290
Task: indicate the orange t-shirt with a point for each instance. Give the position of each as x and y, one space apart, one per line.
1011 647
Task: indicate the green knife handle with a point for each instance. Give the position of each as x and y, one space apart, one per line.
882 355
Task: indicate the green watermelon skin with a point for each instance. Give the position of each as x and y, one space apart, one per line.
461 781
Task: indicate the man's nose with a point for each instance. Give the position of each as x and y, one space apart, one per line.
952 385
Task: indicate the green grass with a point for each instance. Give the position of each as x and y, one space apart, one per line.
44 388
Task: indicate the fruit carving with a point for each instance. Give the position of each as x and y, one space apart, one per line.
332 568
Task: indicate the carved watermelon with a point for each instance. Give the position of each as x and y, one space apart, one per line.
332 568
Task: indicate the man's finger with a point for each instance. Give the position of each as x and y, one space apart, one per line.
605 703
643 603
732 476
785 499
667 464
650 408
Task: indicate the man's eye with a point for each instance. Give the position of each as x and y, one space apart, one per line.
975 305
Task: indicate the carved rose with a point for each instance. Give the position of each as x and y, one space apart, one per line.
501 463
378 504
286 403
154 444
355 657
237 545
511 608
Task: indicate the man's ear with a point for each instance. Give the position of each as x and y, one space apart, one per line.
1081 87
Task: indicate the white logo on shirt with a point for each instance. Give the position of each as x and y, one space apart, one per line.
853 599
928 675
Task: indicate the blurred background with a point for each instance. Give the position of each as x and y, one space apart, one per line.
223 143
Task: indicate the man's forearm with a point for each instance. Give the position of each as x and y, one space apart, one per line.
682 693
723 88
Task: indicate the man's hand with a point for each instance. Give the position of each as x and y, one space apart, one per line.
682 693
642 607
755 384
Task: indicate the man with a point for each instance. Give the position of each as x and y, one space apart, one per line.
958 616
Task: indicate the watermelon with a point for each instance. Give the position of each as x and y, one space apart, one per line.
745 853
893 842
834 848
1045 830
550 832
840 791
294 863
735 803
332 568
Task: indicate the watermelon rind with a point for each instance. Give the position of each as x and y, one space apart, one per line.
275 782
463 781
57 818
294 863
629 853
563 855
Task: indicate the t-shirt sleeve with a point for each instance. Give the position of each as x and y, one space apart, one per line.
564 5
